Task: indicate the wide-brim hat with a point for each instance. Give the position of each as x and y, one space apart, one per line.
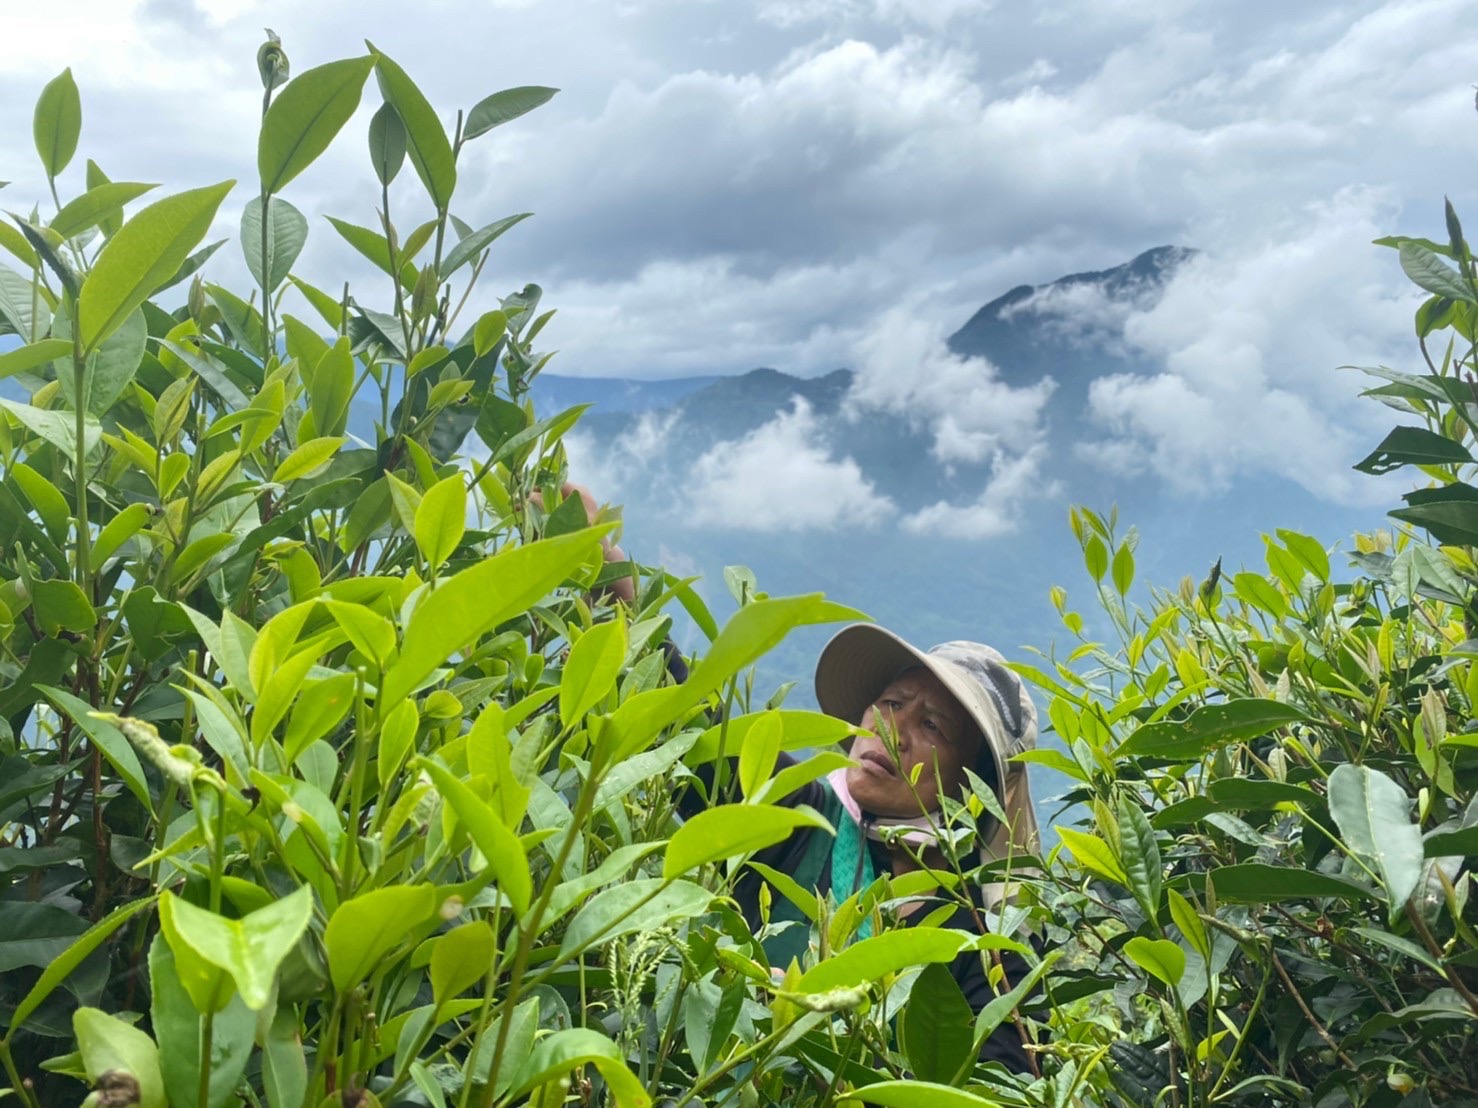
860 661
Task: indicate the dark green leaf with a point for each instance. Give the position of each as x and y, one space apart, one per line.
938 1032
1414 446
386 143
1258 883
111 1046
501 107
1374 818
475 243
1209 727
1431 273
287 230
426 141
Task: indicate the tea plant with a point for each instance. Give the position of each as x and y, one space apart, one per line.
335 770
1272 896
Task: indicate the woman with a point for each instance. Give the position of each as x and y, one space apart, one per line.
943 711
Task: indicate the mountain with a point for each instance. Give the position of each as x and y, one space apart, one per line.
925 582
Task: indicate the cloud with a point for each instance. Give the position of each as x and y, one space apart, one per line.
1249 338
905 368
1014 481
781 477
631 461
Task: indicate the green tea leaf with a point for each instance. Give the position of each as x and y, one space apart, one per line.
146 252
58 969
177 1025
641 905
29 357
938 1026
1374 818
591 671
490 327
50 504
57 122
1159 957
94 205
502 107
284 1068
499 845
307 459
109 221
1413 446
62 606
250 949
1094 855
441 520
1209 727
873 959
475 243
107 738
363 930
556 1055
426 141
760 750
1185 918
386 142
332 389
1141 855
305 117
730 830
1426 269
469 604
56 428
286 232
110 1046
1259 883
110 369
460 959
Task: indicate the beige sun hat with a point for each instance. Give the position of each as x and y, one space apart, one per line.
861 660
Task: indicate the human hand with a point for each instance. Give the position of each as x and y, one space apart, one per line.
622 588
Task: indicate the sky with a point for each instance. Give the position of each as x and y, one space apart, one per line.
814 184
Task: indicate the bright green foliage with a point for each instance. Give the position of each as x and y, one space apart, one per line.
329 770
1279 788
331 773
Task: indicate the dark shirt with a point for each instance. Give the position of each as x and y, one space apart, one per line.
798 856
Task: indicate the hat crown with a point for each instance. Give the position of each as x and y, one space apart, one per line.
987 668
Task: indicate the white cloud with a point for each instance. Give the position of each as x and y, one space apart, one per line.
780 478
1249 339
1014 481
635 458
904 367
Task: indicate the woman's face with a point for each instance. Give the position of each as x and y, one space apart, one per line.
931 731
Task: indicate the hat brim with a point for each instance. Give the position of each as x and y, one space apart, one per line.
860 661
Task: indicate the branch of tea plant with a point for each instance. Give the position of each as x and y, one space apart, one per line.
529 931
21 1088
79 461
1435 950
471 281
392 248
1303 1007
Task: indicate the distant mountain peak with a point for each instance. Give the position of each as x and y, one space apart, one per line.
1017 340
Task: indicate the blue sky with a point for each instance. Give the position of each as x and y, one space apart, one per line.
808 184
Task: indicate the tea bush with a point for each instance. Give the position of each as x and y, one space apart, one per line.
1272 894
335 771
336 767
